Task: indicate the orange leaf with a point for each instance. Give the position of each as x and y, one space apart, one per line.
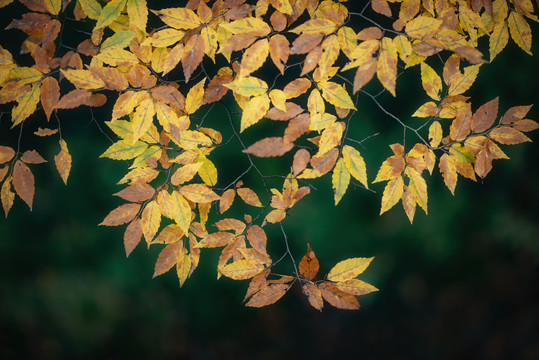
121 215
268 295
137 192
24 183
314 295
218 239
227 198
198 193
338 298
132 236
168 257
308 266
268 147
50 94
257 238
63 161
249 196
242 269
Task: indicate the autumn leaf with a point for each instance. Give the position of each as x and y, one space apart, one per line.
338 298
268 295
348 269
392 193
168 257
314 295
355 164
340 179
24 183
63 161
121 215
249 196
242 269
308 266
198 193
269 147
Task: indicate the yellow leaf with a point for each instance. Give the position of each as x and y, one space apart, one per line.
432 83
53 6
191 139
63 161
278 99
168 118
254 110
183 215
248 24
423 27
282 6
138 13
448 168
116 57
198 193
227 198
462 82
194 97
125 150
330 52
242 269
435 134
336 95
386 67
418 187
390 169
7 195
121 39
254 57
208 172
179 18
150 220
83 79
355 164
91 8
348 269
316 26
26 105
347 40
164 38
356 287
110 13
340 180
248 86
392 194
185 173
142 119
428 109
249 196
508 135
520 31
331 137
408 203
183 267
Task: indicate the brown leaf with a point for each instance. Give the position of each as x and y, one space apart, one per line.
508 135
192 55
257 238
132 236
268 295
269 147
6 154
112 77
461 126
218 239
249 196
121 215
297 127
514 114
325 163
308 266
484 117
313 295
239 42
198 193
364 74
279 49
292 110
301 159
24 183
137 192
381 7
257 283
74 99
311 60
168 257
215 90
32 157
370 33
305 43
227 198
338 298
297 87
50 94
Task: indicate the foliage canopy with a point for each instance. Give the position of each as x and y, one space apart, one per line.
288 73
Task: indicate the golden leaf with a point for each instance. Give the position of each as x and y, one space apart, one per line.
355 164
142 119
110 13
498 39
194 97
26 105
336 95
348 269
227 198
63 161
508 135
248 86
520 31
432 83
249 196
198 193
448 168
150 220
435 134
254 57
418 186
121 215
7 195
392 194
179 18
356 287
386 68
138 13
340 180
185 173
242 269
408 203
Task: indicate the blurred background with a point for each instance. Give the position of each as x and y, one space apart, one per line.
459 283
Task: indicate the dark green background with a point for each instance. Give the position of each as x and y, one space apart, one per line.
460 283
